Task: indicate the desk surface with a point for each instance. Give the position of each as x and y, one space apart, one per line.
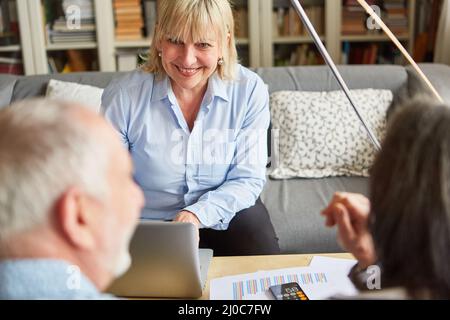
228 266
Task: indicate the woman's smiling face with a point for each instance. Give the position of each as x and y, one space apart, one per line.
189 64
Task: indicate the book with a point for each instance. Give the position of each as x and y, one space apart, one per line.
241 22
11 65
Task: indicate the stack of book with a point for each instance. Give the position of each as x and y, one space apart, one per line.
11 65
129 19
371 53
389 54
396 16
304 54
286 21
360 53
76 25
354 18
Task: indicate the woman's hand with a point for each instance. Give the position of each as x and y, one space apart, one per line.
350 212
187 216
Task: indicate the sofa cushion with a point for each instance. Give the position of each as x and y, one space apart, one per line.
294 206
320 135
35 86
320 78
70 91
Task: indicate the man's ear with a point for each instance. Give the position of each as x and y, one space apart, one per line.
74 220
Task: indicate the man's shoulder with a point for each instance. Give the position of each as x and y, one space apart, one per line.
45 279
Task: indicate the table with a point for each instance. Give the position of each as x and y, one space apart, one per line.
228 266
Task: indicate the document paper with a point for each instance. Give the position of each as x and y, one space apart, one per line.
324 277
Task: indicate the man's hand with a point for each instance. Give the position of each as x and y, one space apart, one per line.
350 212
187 216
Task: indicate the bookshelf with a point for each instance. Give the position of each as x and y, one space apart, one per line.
118 54
16 53
362 46
286 41
247 32
329 19
68 40
268 33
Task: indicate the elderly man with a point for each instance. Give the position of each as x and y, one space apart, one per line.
68 202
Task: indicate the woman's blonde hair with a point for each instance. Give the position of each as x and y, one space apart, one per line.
192 20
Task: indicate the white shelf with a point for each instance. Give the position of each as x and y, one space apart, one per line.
294 39
371 37
332 36
142 43
12 48
242 41
71 45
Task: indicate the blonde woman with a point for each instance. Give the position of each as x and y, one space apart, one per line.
195 123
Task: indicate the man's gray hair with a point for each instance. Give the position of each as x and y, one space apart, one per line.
45 148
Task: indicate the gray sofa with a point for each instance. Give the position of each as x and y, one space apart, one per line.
294 205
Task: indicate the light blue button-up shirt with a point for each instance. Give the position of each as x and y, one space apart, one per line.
214 171
27 279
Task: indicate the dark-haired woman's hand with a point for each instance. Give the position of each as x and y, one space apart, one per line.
350 213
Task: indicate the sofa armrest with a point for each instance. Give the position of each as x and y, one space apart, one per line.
7 83
439 76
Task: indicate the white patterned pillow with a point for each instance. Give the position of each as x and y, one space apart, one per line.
319 134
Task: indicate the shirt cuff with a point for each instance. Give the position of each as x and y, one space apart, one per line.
198 211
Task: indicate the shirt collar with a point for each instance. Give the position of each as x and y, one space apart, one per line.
217 87
162 88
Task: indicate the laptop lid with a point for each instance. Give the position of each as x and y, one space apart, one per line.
166 262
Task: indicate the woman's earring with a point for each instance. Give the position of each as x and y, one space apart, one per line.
159 54
220 62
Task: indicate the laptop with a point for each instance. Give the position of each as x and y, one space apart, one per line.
166 262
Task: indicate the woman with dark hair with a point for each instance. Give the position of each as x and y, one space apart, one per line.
405 227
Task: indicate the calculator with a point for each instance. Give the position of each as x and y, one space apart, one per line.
288 291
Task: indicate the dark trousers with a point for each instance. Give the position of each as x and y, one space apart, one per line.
250 232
